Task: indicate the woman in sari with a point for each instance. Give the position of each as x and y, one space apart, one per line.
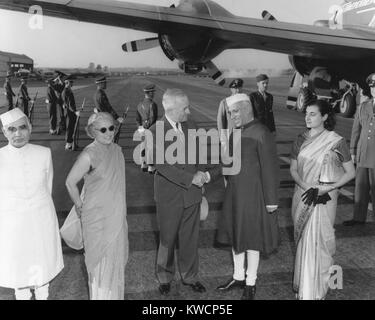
102 209
320 164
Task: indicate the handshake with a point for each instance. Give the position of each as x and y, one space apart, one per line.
200 178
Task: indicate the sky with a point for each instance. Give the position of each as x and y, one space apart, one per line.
66 44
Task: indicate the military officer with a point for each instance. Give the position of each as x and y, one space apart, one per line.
24 96
146 116
101 100
262 102
362 148
51 101
71 112
9 91
59 87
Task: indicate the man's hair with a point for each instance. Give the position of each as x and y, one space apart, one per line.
170 96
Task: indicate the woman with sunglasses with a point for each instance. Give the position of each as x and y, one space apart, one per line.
101 207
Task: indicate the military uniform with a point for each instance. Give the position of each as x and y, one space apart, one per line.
70 106
146 116
51 101
9 93
24 96
102 103
59 88
147 113
362 145
262 106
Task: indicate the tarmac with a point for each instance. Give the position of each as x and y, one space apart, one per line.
355 245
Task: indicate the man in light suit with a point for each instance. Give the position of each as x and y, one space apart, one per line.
177 192
362 148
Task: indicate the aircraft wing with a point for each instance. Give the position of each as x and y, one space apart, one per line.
235 32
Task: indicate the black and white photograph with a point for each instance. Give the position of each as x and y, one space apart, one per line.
200 152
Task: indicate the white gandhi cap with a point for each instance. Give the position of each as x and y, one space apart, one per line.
237 98
11 116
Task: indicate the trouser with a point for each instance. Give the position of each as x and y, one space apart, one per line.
25 104
252 266
178 226
10 102
41 293
364 187
62 121
52 112
71 119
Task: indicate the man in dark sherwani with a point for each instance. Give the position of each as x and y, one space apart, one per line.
249 219
24 96
59 87
262 102
9 92
362 148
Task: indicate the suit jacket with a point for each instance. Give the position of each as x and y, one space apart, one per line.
173 183
263 109
362 142
147 113
102 103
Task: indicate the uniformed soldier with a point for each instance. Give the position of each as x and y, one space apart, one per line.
362 148
225 124
8 91
24 96
59 87
262 102
101 100
51 101
71 112
146 116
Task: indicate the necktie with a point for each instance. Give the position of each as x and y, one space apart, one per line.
180 132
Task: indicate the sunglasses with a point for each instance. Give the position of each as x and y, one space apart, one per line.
104 130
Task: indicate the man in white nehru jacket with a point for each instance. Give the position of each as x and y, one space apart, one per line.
30 245
249 219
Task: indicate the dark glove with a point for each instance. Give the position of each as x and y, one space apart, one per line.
310 196
323 199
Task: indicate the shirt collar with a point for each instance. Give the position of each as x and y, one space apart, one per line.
173 123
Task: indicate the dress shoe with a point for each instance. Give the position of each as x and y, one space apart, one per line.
164 288
196 286
350 223
249 293
231 284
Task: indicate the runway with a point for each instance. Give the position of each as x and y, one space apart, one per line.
355 245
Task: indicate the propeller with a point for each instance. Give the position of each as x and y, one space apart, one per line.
215 73
267 16
139 45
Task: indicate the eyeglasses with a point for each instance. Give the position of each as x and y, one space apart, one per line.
104 130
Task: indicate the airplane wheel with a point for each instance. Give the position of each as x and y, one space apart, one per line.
347 106
304 95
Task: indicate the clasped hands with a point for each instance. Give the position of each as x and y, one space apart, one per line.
316 195
200 178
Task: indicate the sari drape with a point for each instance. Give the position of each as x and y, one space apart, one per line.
317 163
104 225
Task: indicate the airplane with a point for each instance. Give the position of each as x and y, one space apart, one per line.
196 31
